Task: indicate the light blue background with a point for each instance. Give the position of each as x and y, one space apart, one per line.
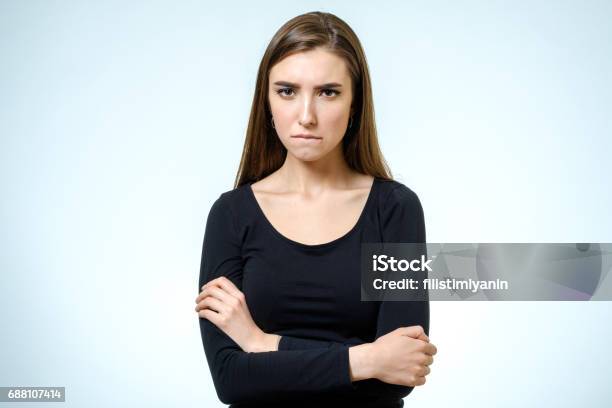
121 123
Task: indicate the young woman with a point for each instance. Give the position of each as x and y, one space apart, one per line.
280 311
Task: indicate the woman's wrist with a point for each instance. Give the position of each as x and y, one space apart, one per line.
262 341
362 361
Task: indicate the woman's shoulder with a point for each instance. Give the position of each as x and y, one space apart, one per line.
230 200
234 193
401 214
393 192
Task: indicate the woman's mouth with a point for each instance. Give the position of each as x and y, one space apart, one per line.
307 137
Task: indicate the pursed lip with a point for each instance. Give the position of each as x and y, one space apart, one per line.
307 136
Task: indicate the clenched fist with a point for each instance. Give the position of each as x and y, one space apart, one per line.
403 356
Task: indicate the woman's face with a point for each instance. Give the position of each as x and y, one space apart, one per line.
310 94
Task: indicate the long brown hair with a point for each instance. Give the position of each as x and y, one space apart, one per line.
263 153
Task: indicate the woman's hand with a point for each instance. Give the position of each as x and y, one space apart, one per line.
403 356
223 304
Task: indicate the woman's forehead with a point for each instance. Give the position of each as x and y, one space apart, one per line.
311 68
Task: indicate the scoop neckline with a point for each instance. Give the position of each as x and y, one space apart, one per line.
313 246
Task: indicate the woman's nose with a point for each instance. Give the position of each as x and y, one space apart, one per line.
307 114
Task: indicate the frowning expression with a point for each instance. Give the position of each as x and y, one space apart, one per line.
310 98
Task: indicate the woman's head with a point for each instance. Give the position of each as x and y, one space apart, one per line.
313 79
310 93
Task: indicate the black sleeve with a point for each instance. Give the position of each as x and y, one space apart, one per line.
239 376
402 220
300 343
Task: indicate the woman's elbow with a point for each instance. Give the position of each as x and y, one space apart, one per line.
404 391
228 391
401 391
235 392
227 373
226 395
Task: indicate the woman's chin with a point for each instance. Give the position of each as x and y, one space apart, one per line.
306 154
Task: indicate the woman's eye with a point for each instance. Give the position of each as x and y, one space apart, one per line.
289 92
331 90
283 90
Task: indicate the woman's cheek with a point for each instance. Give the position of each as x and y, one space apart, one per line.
337 125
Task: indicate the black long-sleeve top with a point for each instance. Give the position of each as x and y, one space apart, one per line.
310 296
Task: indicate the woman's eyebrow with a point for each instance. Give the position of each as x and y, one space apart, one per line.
292 85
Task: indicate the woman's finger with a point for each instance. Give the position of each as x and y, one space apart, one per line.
229 287
212 303
431 349
211 282
216 281
419 381
210 315
225 284
216 292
